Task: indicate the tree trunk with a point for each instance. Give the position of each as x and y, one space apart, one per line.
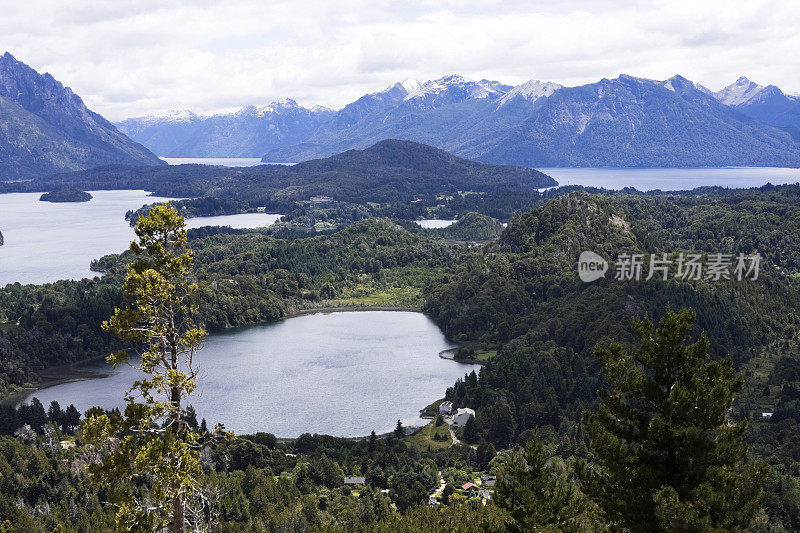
177 515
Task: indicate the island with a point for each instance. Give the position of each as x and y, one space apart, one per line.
66 195
1 238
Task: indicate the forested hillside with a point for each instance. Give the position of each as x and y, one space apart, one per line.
389 171
517 306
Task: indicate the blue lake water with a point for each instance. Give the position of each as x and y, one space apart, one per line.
241 221
673 179
222 161
343 374
433 223
46 242
643 179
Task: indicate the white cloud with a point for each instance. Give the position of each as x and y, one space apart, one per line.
128 58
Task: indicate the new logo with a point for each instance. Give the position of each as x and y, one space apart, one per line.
591 266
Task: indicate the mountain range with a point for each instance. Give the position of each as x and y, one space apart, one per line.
45 128
624 121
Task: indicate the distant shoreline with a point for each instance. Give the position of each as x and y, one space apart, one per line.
57 375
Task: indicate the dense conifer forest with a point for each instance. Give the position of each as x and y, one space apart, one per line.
518 307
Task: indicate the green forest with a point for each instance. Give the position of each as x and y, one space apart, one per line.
606 406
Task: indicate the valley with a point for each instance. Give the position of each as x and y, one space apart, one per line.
454 304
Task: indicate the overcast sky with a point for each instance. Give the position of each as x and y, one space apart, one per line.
135 57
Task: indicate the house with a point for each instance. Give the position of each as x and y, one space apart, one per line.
469 487
446 408
461 416
320 199
766 415
355 480
488 480
485 494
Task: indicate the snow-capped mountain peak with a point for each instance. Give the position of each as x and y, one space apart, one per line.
530 90
278 106
410 85
459 86
738 93
173 116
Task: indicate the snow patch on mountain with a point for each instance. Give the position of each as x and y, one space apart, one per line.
173 116
530 90
458 84
739 93
410 85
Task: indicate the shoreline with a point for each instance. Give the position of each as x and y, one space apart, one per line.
71 372
56 375
450 353
293 313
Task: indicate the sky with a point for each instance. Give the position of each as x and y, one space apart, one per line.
130 58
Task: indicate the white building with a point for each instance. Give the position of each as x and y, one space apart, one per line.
461 416
446 408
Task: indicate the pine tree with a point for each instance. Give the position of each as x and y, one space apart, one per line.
54 413
535 497
70 419
33 414
155 440
669 459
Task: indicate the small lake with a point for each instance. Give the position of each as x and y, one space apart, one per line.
342 374
46 241
673 179
241 221
435 223
221 161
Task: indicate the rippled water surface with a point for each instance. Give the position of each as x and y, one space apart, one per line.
344 374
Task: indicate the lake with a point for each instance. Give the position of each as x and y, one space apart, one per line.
433 223
343 374
673 179
46 242
643 179
222 161
241 221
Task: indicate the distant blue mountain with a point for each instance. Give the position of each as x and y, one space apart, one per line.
247 133
768 104
46 128
625 121
634 122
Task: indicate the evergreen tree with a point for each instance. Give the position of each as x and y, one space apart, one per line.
535 498
470 432
33 414
54 413
70 419
154 437
669 460
9 419
484 454
399 432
